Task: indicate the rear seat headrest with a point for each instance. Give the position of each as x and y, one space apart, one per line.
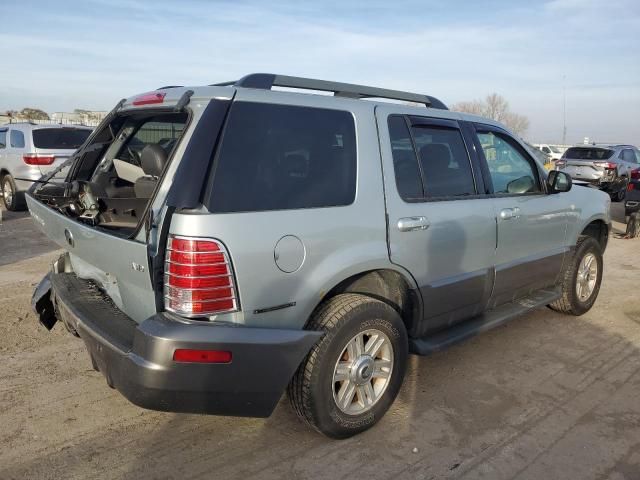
153 159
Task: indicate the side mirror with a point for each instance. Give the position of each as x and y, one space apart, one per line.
558 182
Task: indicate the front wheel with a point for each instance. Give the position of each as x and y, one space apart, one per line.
353 374
581 278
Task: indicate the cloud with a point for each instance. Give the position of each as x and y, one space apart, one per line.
100 51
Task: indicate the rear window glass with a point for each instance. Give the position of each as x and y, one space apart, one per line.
582 153
279 157
60 138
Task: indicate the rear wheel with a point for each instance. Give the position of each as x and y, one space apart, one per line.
13 200
353 374
581 279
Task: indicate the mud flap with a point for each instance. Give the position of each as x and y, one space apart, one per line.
42 303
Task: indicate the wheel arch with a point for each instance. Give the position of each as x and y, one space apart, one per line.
598 229
394 287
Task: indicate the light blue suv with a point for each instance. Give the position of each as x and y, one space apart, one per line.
229 242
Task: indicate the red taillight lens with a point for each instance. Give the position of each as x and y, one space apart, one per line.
202 356
149 98
635 174
630 187
35 159
609 165
198 278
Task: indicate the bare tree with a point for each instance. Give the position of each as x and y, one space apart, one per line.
495 107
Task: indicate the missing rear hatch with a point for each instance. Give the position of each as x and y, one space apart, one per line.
114 178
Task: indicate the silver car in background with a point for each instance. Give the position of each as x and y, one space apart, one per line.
29 150
608 167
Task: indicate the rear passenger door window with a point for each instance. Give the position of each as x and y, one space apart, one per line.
430 159
17 139
628 155
283 157
511 169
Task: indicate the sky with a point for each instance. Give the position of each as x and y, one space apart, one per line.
88 54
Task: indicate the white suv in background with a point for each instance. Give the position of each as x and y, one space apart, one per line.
554 152
28 151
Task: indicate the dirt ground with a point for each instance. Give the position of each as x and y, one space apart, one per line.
546 397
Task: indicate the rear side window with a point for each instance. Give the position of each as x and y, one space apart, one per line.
280 157
429 161
3 138
587 153
17 139
444 161
628 155
59 138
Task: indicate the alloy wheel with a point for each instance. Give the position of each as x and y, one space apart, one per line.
362 372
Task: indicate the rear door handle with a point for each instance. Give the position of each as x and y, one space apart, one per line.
509 213
410 224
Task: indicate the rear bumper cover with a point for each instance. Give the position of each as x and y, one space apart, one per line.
137 359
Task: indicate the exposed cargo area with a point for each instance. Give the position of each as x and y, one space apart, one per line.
111 180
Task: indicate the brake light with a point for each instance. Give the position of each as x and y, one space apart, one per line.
630 187
635 174
201 356
198 278
609 165
35 159
149 98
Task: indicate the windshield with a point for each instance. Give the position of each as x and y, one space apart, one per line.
588 153
60 138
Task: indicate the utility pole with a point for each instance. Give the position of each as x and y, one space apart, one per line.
564 110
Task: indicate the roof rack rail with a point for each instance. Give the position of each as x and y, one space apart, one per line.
266 81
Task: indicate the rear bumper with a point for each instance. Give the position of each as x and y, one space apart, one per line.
137 359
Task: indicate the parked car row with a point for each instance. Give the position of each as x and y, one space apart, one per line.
608 167
28 151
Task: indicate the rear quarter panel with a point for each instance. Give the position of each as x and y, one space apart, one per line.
587 205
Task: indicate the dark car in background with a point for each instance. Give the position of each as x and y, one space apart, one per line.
632 203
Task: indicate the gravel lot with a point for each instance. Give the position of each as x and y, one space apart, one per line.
545 397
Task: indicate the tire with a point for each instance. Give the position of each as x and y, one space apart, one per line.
571 302
314 391
621 194
13 200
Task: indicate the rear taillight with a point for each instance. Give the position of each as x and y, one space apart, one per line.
635 174
609 165
630 187
35 159
149 98
198 279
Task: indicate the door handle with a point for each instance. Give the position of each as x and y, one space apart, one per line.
409 224
509 213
